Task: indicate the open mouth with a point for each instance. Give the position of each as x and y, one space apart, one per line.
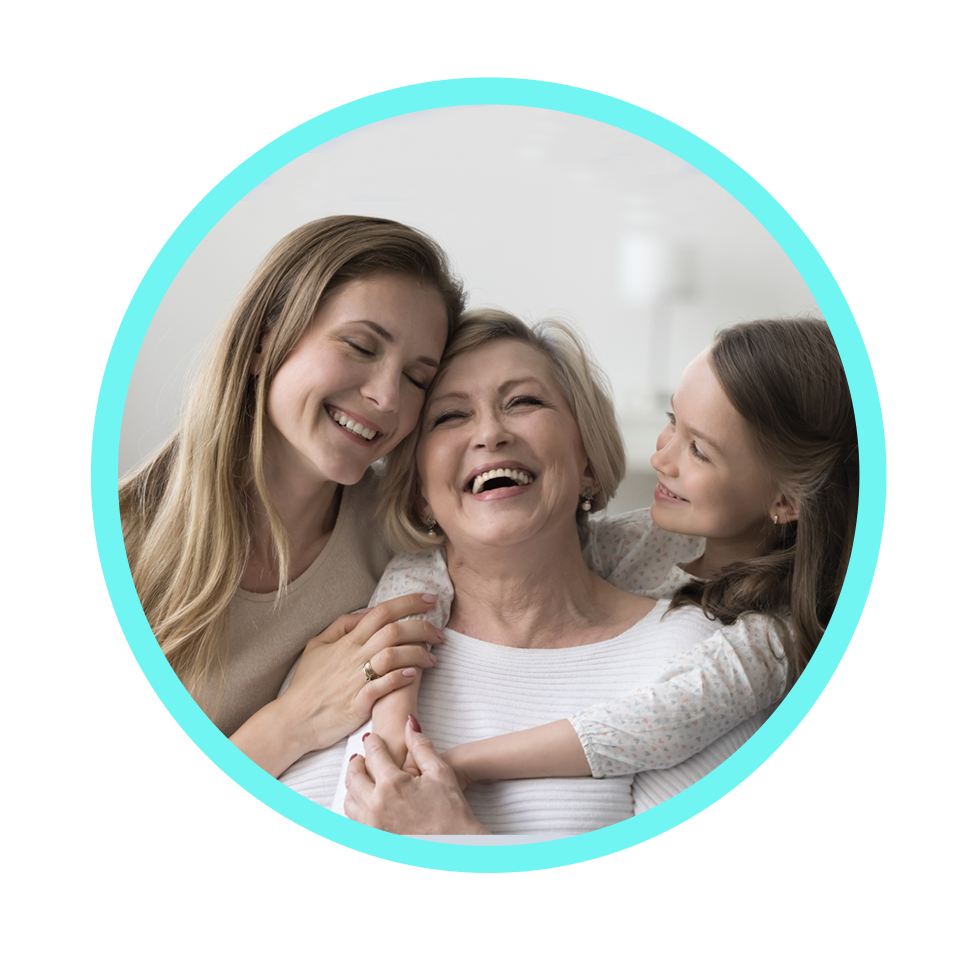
669 495
498 479
348 423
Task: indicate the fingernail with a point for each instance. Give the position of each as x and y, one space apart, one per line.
366 736
434 657
411 671
352 757
440 634
429 598
413 723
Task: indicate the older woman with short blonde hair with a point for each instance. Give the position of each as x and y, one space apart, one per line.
516 444
583 384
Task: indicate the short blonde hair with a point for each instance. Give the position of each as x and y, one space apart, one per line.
583 384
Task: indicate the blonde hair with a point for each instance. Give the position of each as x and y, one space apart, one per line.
786 380
583 384
185 512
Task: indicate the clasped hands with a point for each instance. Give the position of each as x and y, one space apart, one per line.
424 798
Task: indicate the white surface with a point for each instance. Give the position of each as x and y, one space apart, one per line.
851 850
554 214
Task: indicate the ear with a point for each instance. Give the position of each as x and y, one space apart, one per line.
588 478
786 508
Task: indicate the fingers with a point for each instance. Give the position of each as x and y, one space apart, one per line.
384 685
400 658
387 612
359 788
379 764
421 749
341 627
411 632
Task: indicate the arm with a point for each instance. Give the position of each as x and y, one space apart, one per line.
390 715
632 553
328 697
650 788
712 688
737 672
550 750
405 574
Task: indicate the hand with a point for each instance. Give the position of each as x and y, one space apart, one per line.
381 795
329 696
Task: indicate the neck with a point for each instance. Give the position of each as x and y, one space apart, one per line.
308 512
538 594
719 553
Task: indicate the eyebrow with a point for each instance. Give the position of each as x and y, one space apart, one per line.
464 395
384 335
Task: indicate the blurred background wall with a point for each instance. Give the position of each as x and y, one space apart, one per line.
543 214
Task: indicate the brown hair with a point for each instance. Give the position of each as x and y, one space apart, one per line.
786 379
185 511
582 383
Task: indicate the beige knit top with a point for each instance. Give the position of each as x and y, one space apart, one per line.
266 636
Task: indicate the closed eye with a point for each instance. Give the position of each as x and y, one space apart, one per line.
421 385
696 453
445 416
524 400
359 349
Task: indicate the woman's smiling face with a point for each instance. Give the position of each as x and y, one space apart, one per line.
500 457
353 386
712 480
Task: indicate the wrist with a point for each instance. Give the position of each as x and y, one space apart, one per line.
459 760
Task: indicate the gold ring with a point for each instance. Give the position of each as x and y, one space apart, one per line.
370 673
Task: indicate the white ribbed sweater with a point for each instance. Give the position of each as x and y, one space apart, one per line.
479 690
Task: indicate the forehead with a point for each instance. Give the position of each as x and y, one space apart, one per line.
495 363
700 403
407 310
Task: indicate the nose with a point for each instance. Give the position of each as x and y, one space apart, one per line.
490 431
383 388
662 460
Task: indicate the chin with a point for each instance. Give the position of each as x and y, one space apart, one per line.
667 521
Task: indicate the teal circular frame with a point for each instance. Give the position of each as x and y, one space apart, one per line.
402 101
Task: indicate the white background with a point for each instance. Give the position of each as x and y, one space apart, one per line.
543 213
128 853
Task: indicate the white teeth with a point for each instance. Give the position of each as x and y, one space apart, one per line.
350 425
517 475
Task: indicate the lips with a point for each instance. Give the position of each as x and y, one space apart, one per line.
669 495
353 425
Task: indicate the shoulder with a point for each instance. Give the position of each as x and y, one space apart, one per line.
631 552
687 625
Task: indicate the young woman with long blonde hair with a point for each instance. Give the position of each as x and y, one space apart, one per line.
252 528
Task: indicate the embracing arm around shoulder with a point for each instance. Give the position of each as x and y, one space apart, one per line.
327 696
712 689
